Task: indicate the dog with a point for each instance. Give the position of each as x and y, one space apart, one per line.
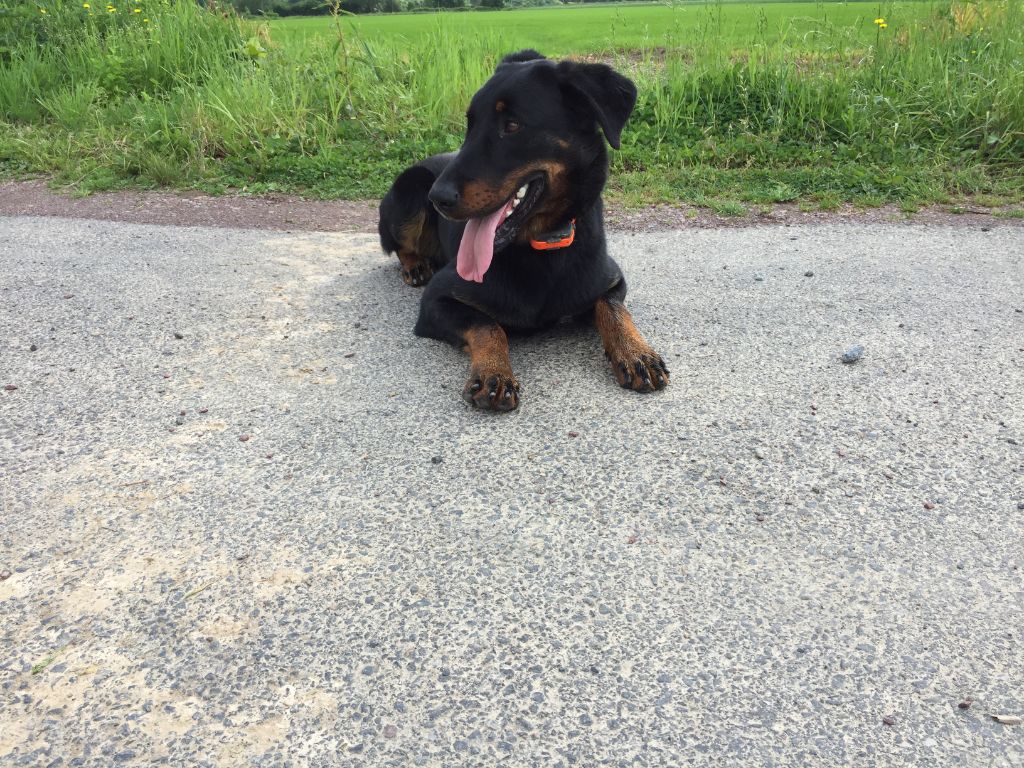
507 233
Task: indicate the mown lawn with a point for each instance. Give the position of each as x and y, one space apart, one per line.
739 104
557 30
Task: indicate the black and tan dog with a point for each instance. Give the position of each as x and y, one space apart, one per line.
509 230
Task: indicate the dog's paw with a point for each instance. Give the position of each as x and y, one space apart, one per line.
642 372
491 390
418 275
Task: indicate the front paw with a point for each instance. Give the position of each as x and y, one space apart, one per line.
641 372
491 390
417 275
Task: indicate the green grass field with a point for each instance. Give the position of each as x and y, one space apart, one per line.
740 104
557 31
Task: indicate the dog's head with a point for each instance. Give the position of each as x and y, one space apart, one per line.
534 155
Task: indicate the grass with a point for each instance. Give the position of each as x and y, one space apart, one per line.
740 104
558 31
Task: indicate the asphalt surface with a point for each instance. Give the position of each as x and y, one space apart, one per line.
781 560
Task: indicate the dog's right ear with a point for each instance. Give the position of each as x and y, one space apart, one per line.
527 54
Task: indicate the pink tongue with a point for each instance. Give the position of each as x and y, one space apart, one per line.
477 247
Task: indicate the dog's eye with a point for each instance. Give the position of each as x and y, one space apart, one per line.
511 126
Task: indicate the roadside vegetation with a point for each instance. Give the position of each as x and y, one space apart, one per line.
740 104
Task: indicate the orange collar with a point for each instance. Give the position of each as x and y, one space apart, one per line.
560 238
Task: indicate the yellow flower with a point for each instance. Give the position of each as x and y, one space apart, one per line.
879 22
883 25
145 21
86 5
137 10
42 11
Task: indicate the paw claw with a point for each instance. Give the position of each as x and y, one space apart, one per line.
494 392
646 373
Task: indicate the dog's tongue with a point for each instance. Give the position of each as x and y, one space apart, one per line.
477 247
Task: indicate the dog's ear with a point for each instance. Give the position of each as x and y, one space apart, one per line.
527 54
600 90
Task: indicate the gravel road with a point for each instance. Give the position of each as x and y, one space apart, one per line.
246 518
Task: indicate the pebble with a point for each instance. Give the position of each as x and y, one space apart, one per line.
436 460
853 354
243 438
33 348
758 454
808 273
9 387
889 720
179 335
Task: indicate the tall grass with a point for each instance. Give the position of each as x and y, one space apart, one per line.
181 95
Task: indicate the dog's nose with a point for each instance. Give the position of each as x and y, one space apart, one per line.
444 195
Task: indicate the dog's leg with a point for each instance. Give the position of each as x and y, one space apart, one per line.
408 225
491 384
634 362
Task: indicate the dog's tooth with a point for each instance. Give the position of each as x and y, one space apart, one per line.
515 202
522 192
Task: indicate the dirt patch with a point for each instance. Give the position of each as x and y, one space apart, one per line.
286 213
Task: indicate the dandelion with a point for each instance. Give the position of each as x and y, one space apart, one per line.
145 21
86 6
883 25
42 11
137 10
880 22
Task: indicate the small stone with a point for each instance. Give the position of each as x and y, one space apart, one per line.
69 295
929 505
244 438
204 410
965 704
178 335
182 413
179 420
853 354
1020 505
436 459
351 354
808 273
390 731
758 279
758 454
574 434
32 348
889 720
1008 719
9 387
760 518
5 574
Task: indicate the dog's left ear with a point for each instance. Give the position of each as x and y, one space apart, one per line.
602 91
